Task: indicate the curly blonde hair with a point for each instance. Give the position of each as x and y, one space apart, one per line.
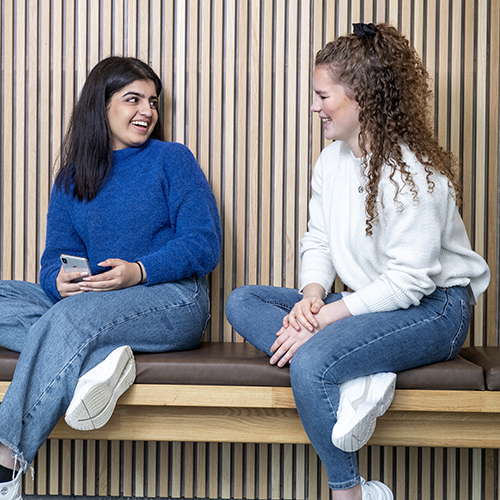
388 80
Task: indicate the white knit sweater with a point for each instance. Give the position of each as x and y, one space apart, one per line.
416 246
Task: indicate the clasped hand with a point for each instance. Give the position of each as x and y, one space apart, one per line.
122 274
298 327
308 317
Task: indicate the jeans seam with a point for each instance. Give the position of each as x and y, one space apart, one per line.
99 332
459 331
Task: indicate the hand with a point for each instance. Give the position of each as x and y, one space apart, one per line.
304 311
123 274
64 285
288 341
330 314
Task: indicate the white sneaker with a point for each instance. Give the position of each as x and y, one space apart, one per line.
375 490
362 400
12 489
98 390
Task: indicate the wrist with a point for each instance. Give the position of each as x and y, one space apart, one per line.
314 290
334 312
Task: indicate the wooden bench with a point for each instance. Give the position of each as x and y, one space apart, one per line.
228 392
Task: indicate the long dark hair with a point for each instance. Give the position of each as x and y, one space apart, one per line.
386 77
87 153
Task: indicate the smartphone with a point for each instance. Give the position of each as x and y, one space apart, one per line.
72 264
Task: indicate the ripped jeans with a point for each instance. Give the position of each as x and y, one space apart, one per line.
433 331
59 342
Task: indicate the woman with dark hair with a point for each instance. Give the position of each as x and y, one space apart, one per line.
383 218
142 213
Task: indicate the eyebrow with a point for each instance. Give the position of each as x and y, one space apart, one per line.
142 96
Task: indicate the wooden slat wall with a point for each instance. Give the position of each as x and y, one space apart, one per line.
252 471
237 77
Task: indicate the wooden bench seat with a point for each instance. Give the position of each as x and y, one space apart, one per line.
228 392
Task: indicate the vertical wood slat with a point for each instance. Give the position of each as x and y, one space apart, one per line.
201 475
289 252
237 479
241 140
228 200
164 476
216 143
114 475
265 127
252 169
127 468
54 467
9 41
278 158
28 193
138 473
17 241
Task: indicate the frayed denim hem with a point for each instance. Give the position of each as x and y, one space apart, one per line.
17 456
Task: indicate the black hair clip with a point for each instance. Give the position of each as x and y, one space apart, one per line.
362 29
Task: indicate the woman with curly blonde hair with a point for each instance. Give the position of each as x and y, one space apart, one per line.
383 218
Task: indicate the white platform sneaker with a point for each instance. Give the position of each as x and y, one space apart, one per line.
12 489
98 390
375 490
362 400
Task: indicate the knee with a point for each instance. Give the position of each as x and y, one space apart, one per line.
305 368
235 304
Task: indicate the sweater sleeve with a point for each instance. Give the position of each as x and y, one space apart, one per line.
61 238
412 251
316 261
195 248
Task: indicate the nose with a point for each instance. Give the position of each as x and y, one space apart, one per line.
145 108
316 105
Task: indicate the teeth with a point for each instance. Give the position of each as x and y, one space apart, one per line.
140 123
326 120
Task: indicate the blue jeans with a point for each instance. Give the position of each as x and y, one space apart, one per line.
59 342
433 331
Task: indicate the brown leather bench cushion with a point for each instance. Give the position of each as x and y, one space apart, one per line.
8 362
224 363
456 374
488 357
212 363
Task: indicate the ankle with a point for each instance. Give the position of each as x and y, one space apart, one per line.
349 494
6 459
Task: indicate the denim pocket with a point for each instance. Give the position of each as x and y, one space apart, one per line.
459 338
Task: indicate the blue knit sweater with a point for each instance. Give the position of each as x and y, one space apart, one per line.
156 207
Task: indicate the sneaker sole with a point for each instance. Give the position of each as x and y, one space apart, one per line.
385 399
355 438
96 405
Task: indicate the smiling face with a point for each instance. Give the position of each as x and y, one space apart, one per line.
132 114
338 112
